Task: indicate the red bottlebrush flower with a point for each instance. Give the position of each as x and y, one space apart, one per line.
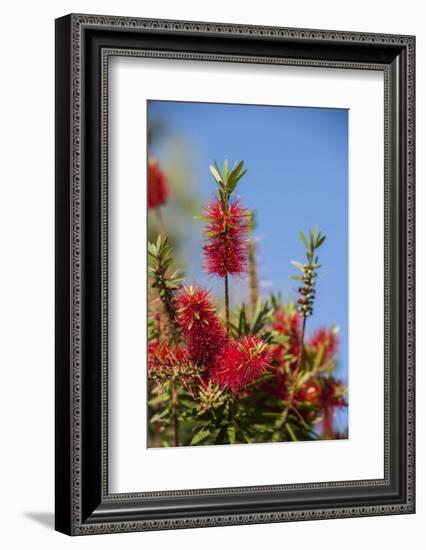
162 356
290 325
241 362
158 191
226 234
332 397
310 393
332 392
325 339
202 330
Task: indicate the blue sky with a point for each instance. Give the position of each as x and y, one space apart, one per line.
297 160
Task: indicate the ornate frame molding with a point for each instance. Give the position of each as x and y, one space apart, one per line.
72 46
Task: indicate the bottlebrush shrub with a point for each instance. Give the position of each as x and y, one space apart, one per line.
254 374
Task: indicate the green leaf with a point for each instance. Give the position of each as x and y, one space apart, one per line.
158 399
238 167
280 421
234 181
159 416
291 432
261 380
304 239
320 241
298 265
242 322
199 436
301 420
231 434
276 436
246 436
225 169
281 339
215 174
261 318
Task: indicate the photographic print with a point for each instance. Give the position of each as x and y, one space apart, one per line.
234 274
247 273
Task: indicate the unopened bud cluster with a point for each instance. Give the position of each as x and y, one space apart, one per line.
307 291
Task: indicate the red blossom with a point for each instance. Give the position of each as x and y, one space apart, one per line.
326 340
162 356
241 362
309 393
226 234
202 330
290 325
158 191
332 397
332 392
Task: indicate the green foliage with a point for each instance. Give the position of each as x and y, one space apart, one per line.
163 279
286 402
227 180
244 326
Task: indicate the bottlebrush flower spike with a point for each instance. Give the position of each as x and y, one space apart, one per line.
162 356
332 393
288 324
332 397
158 191
325 340
241 362
225 234
309 393
202 330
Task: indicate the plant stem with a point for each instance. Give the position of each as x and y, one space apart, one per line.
227 303
302 340
300 360
252 275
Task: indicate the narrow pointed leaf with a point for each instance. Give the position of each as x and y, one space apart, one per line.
304 239
291 432
231 434
199 436
298 265
215 174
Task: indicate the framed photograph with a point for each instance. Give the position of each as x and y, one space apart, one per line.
234 274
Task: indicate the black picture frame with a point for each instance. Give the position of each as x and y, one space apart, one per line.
83 45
